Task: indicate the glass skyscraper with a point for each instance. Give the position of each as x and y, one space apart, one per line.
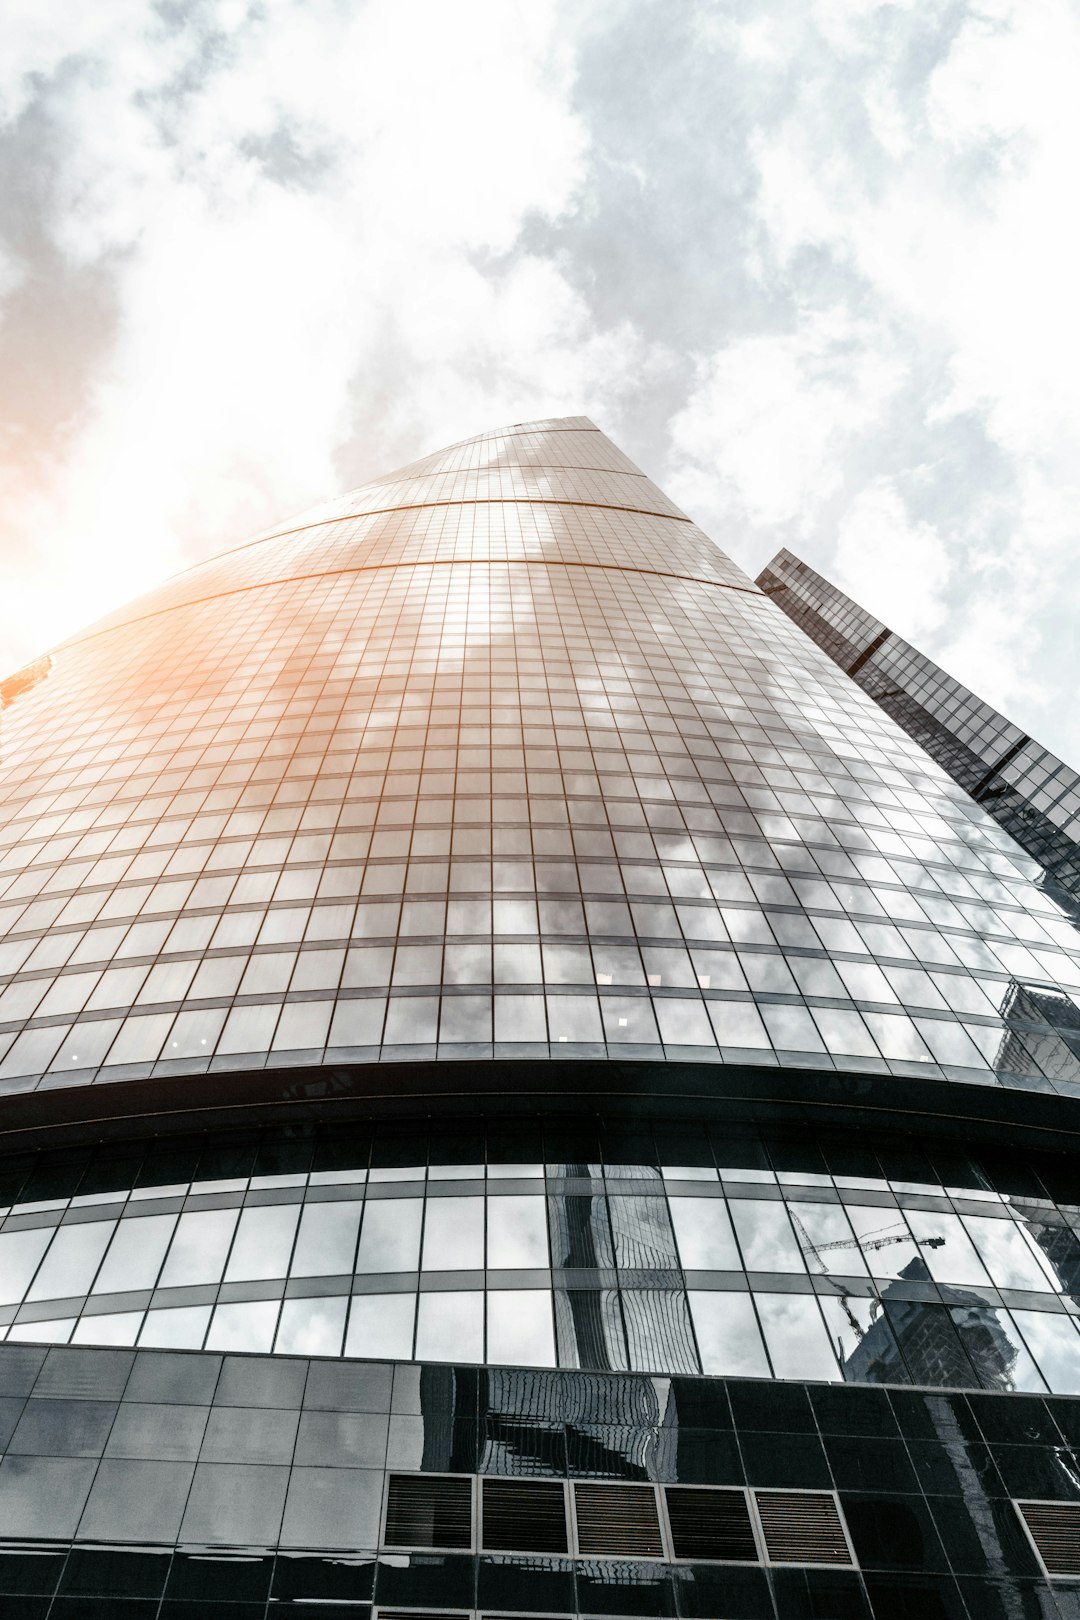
523 1092
1034 795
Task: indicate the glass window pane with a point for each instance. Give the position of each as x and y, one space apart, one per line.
927 1337
580 1235
52 1332
703 1229
658 1330
454 1234
589 1328
520 1018
465 1018
135 1254
765 1236
263 1243
73 1258
826 1240
737 1024
180 1328
358 1023
115 1327
684 1023
642 1233
520 1327
1009 1259
311 1327
249 1029
628 1018
947 1251
381 1325
390 1235
1055 1344
998 1353
450 1327
249 1326
863 1341
728 1336
410 1020
517 1232
887 1245
574 1018
303 1026
20 1254
795 1333
199 1247
326 1244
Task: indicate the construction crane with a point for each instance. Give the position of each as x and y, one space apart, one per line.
864 1245
857 1243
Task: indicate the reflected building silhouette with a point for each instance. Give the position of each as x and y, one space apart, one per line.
1042 1035
932 1341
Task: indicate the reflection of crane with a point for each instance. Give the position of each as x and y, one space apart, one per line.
864 1245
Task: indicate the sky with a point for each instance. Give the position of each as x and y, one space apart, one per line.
812 263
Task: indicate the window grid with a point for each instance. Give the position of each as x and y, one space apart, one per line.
754 1257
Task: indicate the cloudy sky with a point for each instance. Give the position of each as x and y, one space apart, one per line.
813 263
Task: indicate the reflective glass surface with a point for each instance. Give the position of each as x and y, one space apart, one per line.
229 1487
498 756
703 1246
1029 791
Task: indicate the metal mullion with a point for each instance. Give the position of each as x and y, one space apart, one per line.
757 1526
666 1540
420 1257
572 1523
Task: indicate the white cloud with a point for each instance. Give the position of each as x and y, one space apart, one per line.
833 245
765 431
265 290
943 198
895 568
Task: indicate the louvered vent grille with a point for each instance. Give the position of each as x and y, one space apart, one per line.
524 1515
420 1614
710 1524
802 1527
1055 1530
618 1520
428 1510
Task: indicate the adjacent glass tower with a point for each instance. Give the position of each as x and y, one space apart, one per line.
1032 794
472 926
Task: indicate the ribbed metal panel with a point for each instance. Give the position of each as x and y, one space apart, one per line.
428 1510
524 1515
710 1524
618 1520
1055 1530
802 1527
422 1614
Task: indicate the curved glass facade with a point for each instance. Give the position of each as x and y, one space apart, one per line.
667 1250
499 756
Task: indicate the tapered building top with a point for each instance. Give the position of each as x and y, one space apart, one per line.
496 758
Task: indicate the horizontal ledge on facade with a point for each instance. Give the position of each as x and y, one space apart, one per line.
422 1087
749 589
